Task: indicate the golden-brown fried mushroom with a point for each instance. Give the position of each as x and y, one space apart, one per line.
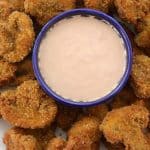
6 40
56 144
43 10
132 10
103 5
7 72
140 77
145 103
17 4
18 139
98 111
124 98
145 22
143 38
28 106
66 116
5 9
124 125
16 37
24 72
27 139
11 5
84 134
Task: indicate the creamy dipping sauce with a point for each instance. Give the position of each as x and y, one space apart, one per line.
82 58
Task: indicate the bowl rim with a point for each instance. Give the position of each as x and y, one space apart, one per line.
82 11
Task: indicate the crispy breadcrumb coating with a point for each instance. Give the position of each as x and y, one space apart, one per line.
98 111
66 116
16 37
56 144
145 103
140 77
124 125
43 10
6 40
84 134
18 139
7 72
5 9
103 5
27 139
145 22
28 106
11 5
143 38
132 10
17 4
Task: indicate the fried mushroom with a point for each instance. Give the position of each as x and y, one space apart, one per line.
27 139
140 76
56 144
103 5
16 37
132 10
125 125
142 39
43 10
28 106
84 134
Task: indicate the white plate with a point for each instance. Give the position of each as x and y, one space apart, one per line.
4 126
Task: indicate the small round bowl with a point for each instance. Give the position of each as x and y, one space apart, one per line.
84 12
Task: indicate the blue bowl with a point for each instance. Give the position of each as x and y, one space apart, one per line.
99 15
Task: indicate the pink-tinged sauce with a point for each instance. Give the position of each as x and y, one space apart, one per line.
82 58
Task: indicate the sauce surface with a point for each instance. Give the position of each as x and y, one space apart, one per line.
82 58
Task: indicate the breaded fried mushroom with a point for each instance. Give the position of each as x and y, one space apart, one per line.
132 10
103 5
16 37
56 144
5 9
28 106
143 38
7 72
84 134
140 76
43 10
18 139
10 6
124 125
27 139
17 4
